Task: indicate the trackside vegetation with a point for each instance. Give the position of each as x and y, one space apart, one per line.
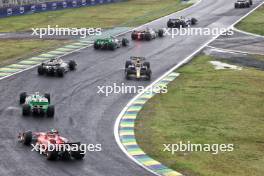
12 51
207 106
254 23
128 13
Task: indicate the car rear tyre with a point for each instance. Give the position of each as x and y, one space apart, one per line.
47 95
125 42
60 72
133 36
160 33
96 46
22 97
148 73
72 65
65 156
78 155
169 24
193 21
25 110
128 63
27 138
147 64
148 37
52 155
41 70
112 46
50 111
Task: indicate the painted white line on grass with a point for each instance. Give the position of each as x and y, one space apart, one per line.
248 33
186 60
233 51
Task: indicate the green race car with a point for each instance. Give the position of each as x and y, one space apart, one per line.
36 104
110 43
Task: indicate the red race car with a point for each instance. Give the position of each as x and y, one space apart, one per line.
52 145
147 34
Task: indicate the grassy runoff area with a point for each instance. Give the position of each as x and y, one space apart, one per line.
208 106
253 23
12 51
128 13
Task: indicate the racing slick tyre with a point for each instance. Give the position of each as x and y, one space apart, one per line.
65 156
236 6
52 155
60 72
183 25
250 2
27 138
125 42
248 5
26 110
47 95
22 97
41 113
147 64
169 24
41 70
96 46
112 47
148 73
193 21
128 63
50 111
133 36
160 33
127 74
148 37
72 65
78 155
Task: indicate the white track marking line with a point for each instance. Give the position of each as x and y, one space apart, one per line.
119 118
233 51
248 33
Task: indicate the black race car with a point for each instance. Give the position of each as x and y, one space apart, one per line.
56 67
137 67
147 34
243 3
181 22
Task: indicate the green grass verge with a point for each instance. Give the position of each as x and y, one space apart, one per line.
207 106
128 13
12 51
254 23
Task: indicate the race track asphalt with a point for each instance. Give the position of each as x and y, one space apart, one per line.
81 113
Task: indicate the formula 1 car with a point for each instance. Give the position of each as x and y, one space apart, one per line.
137 67
181 22
56 67
110 43
243 3
52 145
36 104
147 34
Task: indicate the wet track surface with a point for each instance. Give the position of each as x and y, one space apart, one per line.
81 113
